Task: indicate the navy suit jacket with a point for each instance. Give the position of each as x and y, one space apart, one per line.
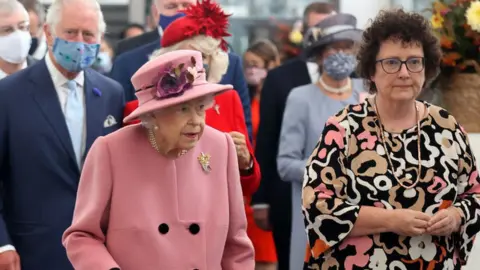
37 162
129 62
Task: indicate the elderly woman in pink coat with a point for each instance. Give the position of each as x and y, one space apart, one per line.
164 194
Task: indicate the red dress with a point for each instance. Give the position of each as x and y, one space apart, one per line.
262 240
227 115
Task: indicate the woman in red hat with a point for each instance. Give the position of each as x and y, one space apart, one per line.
203 29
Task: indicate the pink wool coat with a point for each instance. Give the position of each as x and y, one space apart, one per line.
138 210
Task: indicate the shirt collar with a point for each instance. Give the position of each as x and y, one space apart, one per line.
57 77
160 30
313 71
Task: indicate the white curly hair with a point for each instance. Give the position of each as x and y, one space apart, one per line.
208 46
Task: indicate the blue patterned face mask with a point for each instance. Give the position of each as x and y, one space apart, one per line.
74 56
339 65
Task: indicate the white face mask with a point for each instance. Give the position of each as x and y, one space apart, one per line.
15 46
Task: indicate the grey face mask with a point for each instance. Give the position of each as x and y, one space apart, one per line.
339 65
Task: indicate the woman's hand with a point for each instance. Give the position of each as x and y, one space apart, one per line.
408 222
445 222
244 158
261 217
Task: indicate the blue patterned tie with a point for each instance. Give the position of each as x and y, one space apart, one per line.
74 115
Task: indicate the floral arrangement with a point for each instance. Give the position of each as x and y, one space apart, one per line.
457 25
289 40
174 81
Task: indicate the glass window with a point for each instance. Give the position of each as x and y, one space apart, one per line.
414 5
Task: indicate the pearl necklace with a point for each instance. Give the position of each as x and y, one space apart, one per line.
384 142
335 90
153 143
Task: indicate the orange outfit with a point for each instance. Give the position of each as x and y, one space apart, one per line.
262 240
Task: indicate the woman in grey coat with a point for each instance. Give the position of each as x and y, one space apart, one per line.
331 44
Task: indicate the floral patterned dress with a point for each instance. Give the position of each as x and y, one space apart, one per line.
349 169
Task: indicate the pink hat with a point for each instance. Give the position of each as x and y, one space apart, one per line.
170 79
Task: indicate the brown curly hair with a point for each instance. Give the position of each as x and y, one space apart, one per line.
405 27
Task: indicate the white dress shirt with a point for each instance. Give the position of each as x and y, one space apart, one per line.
313 71
60 84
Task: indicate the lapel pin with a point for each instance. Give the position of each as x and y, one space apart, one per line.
97 92
217 108
204 160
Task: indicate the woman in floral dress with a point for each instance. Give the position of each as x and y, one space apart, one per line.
392 182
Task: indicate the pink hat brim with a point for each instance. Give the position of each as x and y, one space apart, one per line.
196 91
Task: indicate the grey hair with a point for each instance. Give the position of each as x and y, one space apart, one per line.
55 10
8 7
148 121
208 46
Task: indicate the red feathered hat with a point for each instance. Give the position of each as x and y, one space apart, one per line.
203 18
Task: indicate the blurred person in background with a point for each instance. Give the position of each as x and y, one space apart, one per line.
180 27
15 38
50 115
36 12
103 64
272 203
393 182
332 43
260 57
132 30
139 48
164 12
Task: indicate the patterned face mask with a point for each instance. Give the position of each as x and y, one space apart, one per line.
74 56
339 65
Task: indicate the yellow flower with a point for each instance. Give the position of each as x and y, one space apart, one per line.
473 15
437 21
296 37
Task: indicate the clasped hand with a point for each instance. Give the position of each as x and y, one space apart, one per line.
243 154
412 223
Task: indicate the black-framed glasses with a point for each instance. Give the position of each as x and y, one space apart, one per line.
393 65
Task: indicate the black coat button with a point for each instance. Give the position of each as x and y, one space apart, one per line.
194 228
163 228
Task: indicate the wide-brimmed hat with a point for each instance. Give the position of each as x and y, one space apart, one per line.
170 79
204 18
336 27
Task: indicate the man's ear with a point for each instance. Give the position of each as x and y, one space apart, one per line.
48 34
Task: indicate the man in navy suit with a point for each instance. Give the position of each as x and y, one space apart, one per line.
129 62
169 10
50 114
